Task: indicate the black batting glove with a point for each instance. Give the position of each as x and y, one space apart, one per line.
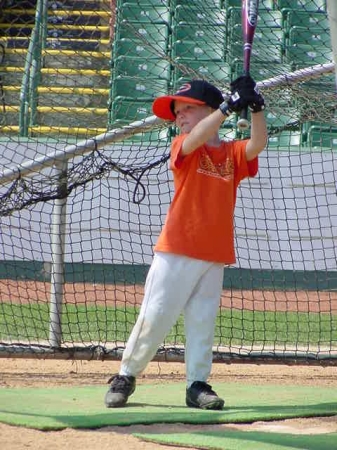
242 84
256 102
236 102
233 104
237 99
249 92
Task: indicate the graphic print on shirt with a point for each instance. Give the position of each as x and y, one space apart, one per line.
225 169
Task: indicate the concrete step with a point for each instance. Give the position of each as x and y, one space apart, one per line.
12 75
60 4
60 43
62 58
89 31
74 119
82 97
76 60
60 16
57 115
57 132
73 77
92 5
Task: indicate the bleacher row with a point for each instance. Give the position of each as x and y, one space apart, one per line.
158 44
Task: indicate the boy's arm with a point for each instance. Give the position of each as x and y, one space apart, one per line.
202 132
258 136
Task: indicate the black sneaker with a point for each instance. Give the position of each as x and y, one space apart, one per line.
120 390
200 395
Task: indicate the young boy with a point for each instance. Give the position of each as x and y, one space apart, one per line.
197 239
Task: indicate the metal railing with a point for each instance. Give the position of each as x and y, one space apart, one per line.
32 69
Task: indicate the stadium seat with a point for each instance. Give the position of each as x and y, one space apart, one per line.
203 35
269 19
260 53
145 3
144 14
267 4
208 16
307 19
208 39
149 138
322 135
266 18
152 138
205 3
310 36
261 70
307 5
268 44
139 32
213 71
285 139
203 52
124 110
303 55
138 88
280 117
263 35
139 67
128 47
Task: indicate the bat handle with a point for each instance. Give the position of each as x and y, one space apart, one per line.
243 123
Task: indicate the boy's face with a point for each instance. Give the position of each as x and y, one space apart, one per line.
189 114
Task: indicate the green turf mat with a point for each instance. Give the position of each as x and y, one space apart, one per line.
244 440
83 407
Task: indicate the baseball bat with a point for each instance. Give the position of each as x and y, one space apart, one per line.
250 9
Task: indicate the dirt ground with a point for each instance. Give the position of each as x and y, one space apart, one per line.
47 373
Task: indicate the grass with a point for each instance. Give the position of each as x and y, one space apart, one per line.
83 323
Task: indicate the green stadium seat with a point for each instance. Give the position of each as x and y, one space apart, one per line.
268 44
260 53
267 4
263 35
124 110
322 135
140 67
203 16
261 70
285 139
132 12
157 33
205 3
266 18
306 5
213 71
145 3
128 47
310 36
149 138
306 19
152 138
203 35
280 117
205 52
303 55
138 88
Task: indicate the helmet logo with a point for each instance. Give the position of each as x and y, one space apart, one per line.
185 87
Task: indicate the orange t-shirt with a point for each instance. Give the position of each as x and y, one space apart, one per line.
200 219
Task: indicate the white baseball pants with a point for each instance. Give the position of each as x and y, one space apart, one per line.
176 284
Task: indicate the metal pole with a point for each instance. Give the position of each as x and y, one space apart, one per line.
332 14
119 134
57 276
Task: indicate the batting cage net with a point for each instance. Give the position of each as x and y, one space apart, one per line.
85 184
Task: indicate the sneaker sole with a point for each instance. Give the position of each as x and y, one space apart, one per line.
216 405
